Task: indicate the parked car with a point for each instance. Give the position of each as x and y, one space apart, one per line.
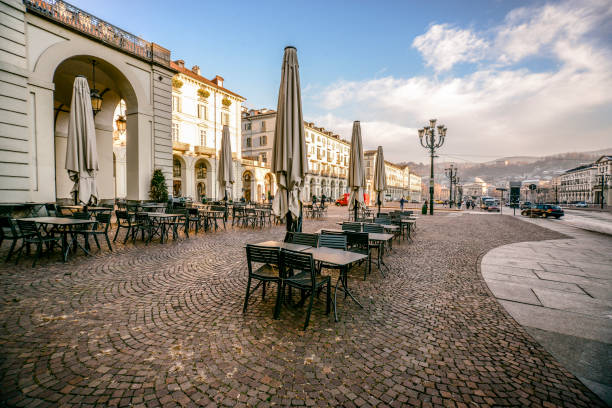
525 205
493 206
343 201
543 210
581 204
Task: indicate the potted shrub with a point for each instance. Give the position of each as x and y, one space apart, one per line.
159 190
424 208
226 102
203 93
177 83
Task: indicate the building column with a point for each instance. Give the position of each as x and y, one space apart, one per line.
139 149
189 189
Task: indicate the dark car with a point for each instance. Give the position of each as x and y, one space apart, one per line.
543 210
525 205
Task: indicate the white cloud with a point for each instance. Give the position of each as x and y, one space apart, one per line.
443 46
497 109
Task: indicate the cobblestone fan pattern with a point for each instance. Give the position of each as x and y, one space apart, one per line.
162 325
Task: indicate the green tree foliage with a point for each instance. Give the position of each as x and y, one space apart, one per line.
159 190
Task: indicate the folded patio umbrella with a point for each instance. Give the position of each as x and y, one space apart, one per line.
81 151
380 176
289 161
356 176
225 173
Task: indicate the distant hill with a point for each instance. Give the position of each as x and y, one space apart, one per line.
512 168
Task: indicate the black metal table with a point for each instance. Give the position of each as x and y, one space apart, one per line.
63 226
342 260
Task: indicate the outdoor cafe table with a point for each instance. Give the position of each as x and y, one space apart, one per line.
162 225
342 260
151 206
330 256
64 226
387 227
372 236
212 215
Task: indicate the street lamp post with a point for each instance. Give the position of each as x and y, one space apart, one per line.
451 173
432 143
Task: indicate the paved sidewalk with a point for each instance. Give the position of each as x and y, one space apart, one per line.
561 292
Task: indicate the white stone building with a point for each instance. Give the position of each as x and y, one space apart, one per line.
577 184
45 45
400 181
328 154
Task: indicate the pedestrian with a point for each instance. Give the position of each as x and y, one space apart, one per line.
323 199
314 199
459 204
402 203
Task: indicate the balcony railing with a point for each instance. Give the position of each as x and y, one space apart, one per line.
180 146
79 20
204 150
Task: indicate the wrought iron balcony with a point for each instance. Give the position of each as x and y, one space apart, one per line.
76 19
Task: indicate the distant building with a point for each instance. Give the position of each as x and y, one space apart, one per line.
578 184
328 154
400 182
604 168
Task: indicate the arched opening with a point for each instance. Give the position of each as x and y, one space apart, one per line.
333 193
324 188
202 174
178 176
117 95
247 181
269 186
312 191
260 195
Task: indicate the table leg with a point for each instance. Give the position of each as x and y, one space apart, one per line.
65 247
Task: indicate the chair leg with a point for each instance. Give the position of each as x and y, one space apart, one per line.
108 242
263 291
327 306
116 233
246 298
279 299
97 243
8 257
38 251
309 309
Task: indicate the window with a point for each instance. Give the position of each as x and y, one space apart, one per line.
225 118
202 137
202 112
176 168
264 158
175 132
201 171
263 125
248 142
247 126
176 103
263 140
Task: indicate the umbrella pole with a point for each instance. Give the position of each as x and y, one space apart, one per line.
355 211
289 218
378 199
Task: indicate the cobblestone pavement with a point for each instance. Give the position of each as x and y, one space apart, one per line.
162 325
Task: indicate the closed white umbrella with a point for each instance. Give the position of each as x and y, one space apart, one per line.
225 172
380 175
356 178
81 151
289 161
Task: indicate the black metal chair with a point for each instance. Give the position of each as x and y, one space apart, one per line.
302 238
306 279
378 245
32 235
193 218
52 210
269 271
143 224
360 243
336 241
351 226
124 220
101 226
9 231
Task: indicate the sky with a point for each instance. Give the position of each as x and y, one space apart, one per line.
507 78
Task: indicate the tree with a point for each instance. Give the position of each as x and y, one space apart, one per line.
159 190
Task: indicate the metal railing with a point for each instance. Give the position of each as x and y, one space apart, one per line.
79 20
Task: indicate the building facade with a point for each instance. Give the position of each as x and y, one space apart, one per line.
45 45
200 109
327 153
603 180
578 184
400 182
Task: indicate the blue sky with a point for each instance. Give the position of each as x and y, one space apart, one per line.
497 73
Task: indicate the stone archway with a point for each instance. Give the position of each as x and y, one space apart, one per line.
178 176
202 176
247 183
